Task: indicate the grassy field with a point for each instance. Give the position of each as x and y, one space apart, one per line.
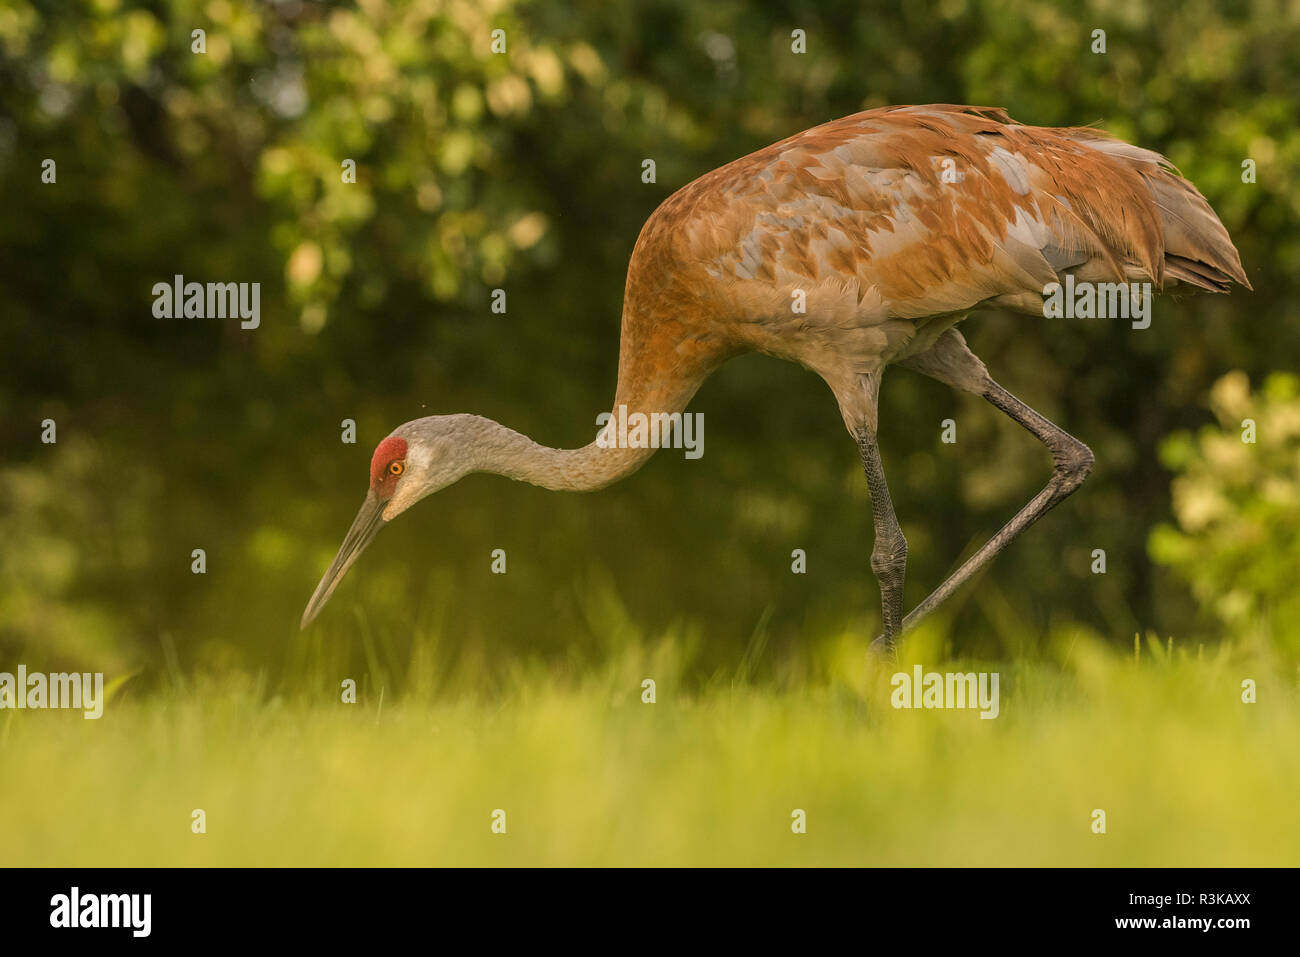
1161 741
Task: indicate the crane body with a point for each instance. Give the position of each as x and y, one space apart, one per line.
847 248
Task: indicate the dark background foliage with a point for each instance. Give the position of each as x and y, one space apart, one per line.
522 171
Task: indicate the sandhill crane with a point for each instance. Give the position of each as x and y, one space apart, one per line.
893 224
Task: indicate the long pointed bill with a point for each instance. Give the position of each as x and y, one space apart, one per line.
364 528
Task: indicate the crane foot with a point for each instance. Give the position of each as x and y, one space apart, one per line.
883 651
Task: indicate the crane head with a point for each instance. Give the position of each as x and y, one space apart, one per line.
419 458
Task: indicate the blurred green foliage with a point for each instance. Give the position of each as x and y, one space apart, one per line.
1237 506
522 170
1187 774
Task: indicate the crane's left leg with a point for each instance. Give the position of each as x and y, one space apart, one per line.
858 397
889 553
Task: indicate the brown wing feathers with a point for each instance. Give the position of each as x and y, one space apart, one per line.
1145 214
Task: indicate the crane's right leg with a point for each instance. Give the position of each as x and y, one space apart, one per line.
950 361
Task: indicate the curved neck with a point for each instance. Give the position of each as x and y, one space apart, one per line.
616 453
506 452
662 362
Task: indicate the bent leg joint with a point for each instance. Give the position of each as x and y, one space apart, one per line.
1073 464
889 556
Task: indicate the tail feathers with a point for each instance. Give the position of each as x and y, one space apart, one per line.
1197 247
1199 274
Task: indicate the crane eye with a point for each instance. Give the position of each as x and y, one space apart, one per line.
396 468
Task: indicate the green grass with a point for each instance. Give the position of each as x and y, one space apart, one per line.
587 774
